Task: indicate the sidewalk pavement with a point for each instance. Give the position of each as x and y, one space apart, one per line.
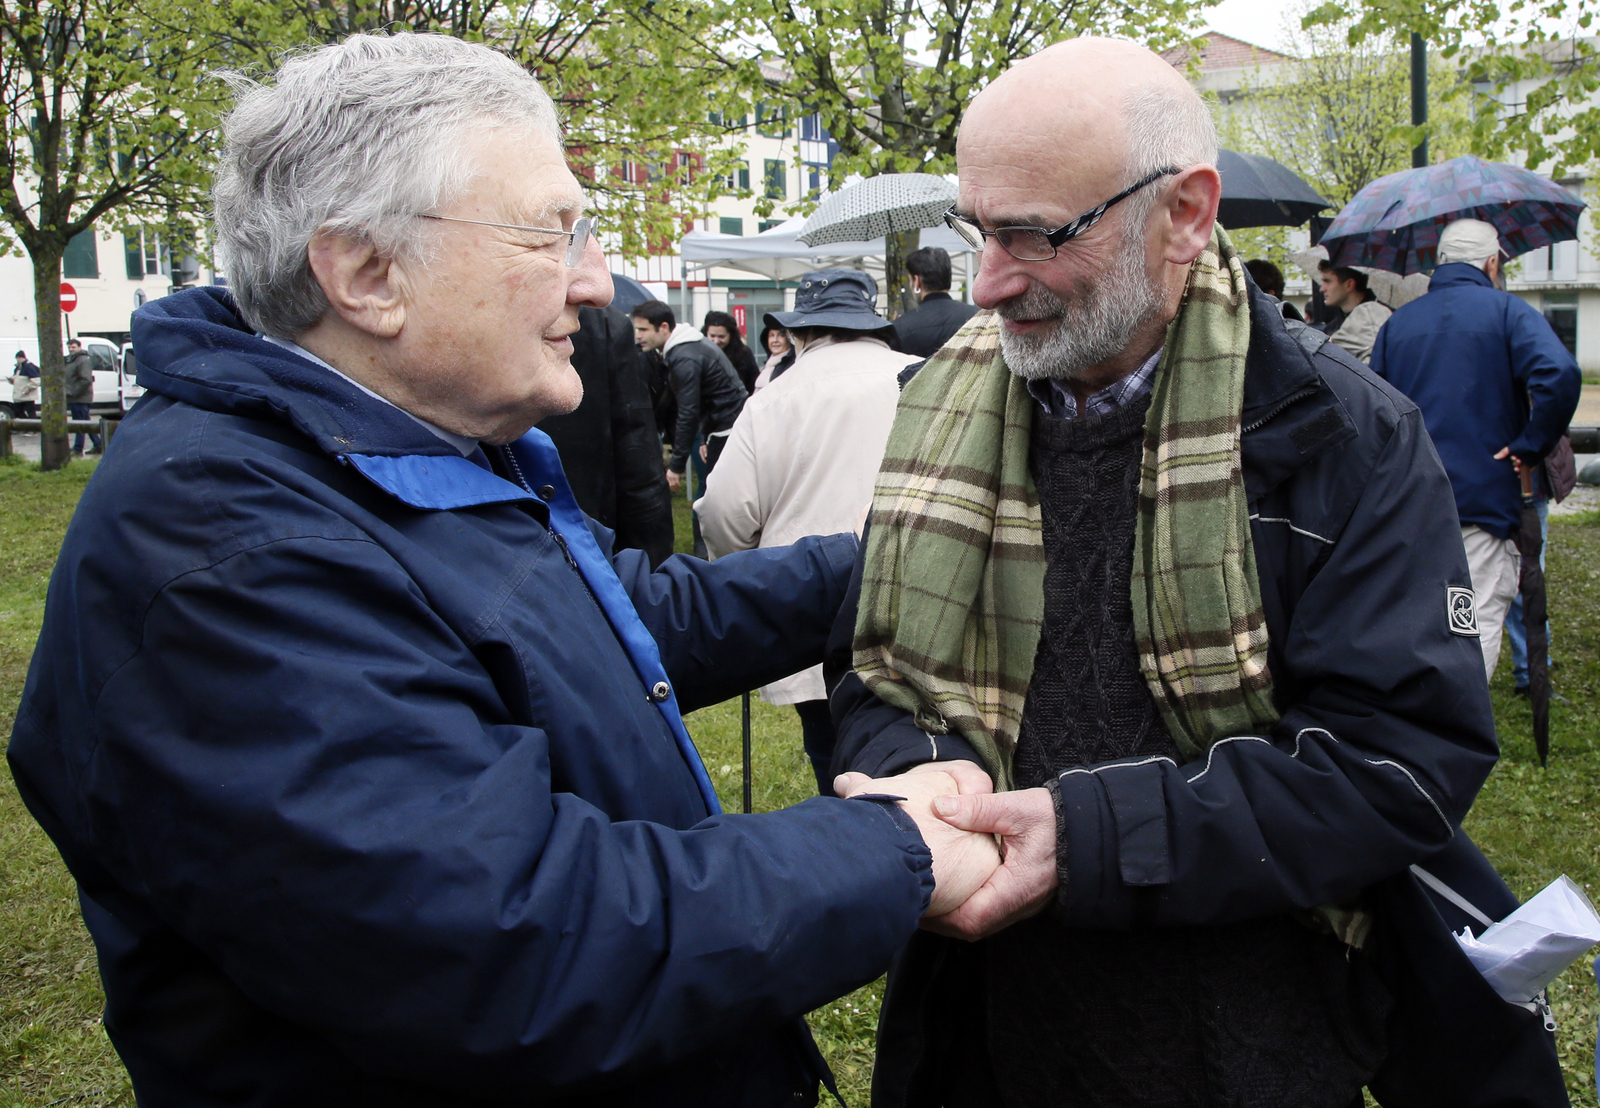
1588 413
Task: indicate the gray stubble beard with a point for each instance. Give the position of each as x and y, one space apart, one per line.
1096 326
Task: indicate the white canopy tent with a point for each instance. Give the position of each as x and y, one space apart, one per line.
779 255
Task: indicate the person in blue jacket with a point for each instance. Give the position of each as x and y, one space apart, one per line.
364 748
1496 388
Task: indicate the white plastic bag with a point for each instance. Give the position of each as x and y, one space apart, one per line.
1528 949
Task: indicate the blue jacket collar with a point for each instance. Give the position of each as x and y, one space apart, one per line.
193 346
1455 274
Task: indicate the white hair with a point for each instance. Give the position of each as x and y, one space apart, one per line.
1167 124
360 138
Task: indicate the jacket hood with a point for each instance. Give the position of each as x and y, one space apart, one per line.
193 346
1455 274
682 333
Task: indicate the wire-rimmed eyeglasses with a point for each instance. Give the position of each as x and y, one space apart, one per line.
1039 244
577 238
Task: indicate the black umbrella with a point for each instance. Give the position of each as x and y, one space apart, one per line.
1534 614
628 293
1258 192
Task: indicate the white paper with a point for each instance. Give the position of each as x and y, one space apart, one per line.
1528 949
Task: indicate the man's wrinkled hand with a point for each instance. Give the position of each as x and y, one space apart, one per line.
962 860
674 481
1026 879
968 776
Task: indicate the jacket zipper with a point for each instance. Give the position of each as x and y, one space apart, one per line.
1293 398
561 541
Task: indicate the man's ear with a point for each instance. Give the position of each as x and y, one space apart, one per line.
363 287
1191 209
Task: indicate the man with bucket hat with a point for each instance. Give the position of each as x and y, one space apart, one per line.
803 454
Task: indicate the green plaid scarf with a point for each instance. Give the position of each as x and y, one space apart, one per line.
953 597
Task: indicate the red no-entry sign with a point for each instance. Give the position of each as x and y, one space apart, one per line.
69 297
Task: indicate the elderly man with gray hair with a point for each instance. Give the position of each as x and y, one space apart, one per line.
1176 573
1497 390
365 750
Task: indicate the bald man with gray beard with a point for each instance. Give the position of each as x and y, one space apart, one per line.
1176 576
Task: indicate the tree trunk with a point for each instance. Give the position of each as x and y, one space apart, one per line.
53 453
897 246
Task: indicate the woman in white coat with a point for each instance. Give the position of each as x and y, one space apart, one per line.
804 453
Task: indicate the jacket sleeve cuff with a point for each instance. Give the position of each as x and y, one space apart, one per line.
1091 893
918 855
840 551
903 745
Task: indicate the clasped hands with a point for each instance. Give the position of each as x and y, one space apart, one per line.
980 886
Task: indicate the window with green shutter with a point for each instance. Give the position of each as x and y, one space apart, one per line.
770 121
731 226
81 258
776 179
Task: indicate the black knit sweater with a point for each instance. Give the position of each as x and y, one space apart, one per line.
1259 1014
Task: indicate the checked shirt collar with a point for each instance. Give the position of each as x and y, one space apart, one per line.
1056 398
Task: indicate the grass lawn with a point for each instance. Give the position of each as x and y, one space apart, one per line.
1533 823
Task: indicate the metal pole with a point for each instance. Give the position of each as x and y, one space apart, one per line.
1419 97
683 270
744 712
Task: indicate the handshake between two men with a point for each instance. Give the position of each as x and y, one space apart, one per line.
994 854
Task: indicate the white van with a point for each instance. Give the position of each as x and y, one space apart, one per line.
108 387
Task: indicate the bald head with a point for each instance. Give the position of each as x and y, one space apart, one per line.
1108 109
1068 130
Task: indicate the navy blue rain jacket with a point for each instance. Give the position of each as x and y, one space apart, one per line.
1488 372
351 746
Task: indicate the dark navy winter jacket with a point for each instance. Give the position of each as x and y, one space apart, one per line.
1488 372
369 765
1386 730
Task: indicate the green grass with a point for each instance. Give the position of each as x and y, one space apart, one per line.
1534 824
51 1042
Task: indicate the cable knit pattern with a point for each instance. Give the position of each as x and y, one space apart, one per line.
1259 1014
1087 701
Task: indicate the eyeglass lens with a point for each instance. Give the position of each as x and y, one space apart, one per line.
1026 244
581 232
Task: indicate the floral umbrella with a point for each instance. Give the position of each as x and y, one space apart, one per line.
1394 223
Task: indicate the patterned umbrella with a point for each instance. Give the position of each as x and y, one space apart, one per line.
878 205
1394 223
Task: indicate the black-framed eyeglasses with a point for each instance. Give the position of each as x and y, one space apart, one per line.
577 238
1039 244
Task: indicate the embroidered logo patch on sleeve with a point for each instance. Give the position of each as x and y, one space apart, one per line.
1462 610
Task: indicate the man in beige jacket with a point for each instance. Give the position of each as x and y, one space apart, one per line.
804 453
1345 288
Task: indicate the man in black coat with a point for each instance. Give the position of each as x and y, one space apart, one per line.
938 316
608 445
701 379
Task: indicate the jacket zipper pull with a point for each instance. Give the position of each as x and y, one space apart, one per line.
565 552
